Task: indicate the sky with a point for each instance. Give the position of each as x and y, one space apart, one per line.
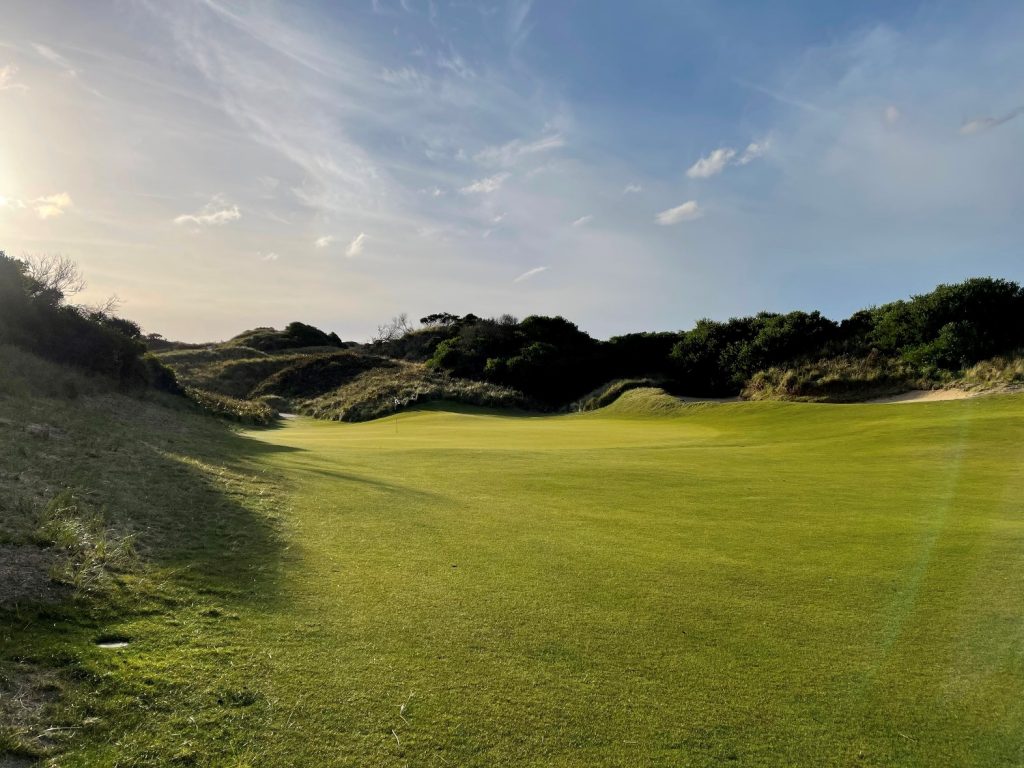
224 165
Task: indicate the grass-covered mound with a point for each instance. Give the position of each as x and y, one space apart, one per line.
312 375
118 507
647 402
383 390
606 395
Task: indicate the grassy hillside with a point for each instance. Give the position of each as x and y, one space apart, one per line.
341 385
654 583
364 383
116 507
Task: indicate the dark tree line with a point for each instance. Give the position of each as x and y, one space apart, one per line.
551 360
36 316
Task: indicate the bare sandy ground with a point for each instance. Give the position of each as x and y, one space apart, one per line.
925 396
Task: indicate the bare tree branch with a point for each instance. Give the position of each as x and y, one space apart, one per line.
56 273
108 306
396 329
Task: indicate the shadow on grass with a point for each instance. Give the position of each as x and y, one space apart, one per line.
380 485
213 515
451 406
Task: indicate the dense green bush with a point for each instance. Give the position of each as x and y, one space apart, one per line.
294 336
35 317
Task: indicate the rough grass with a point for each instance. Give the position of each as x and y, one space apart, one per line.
116 509
313 375
844 380
837 380
255 412
1000 372
372 394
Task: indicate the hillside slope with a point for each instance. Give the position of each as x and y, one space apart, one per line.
114 506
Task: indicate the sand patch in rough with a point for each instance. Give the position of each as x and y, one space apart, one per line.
925 396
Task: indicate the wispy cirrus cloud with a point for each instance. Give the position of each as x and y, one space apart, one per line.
632 189
688 211
486 185
55 58
530 273
582 221
214 213
324 241
513 151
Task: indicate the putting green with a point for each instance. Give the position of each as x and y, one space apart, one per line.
750 583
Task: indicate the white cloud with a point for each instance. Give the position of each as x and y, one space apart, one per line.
632 189
324 241
55 58
529 273
508 154
486 185
407 77
7 83
754 150
712 165
214 213
455 64
721 158
892 114
356 246
688 211
51 206
271 256
582 221
46 207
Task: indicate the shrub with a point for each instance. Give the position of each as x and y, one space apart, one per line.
90 553
244 411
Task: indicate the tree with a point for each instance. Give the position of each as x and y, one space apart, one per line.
439 319
56 275
398 327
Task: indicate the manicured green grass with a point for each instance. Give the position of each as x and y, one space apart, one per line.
756 584
760 583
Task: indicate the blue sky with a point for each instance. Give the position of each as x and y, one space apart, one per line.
220 165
